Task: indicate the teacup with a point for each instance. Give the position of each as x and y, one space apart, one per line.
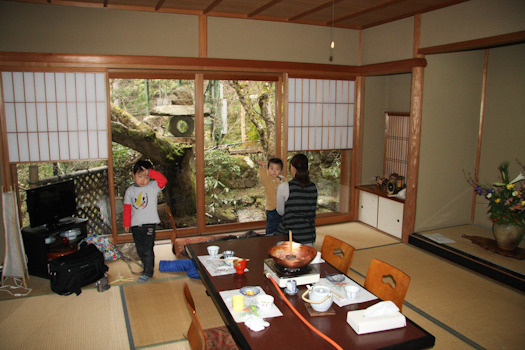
351 291
228 253
240 265
213 251
264 302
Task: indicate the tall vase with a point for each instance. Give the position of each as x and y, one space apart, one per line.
508 237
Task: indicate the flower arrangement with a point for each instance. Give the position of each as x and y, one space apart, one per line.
506 201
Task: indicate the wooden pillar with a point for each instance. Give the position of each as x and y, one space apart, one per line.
357 150
480 132
409 212
199 150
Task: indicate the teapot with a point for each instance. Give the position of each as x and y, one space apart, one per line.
320 298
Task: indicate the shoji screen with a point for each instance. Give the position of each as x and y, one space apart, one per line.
320 114
396 144
52 116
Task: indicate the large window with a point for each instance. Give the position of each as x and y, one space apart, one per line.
240 132
153 119
63 133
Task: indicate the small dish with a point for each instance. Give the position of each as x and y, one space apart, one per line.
250 291
289 292
336 278
228 253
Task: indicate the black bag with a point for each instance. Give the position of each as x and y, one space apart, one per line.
69 273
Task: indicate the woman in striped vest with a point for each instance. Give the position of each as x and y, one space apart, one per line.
297 203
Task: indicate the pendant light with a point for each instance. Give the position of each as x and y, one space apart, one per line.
332 42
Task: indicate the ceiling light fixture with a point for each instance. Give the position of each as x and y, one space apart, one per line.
332 42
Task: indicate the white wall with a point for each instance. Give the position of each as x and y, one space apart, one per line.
504 125
470 20
275 41
81 30
449 130
388 42
382 94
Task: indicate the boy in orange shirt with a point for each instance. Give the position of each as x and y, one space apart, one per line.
270 176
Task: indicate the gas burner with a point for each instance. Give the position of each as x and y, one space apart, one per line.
292 271
304 275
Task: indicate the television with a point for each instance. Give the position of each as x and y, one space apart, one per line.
47 205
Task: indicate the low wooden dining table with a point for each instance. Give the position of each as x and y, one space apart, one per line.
288 331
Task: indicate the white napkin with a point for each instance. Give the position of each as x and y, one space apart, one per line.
383 308
255 323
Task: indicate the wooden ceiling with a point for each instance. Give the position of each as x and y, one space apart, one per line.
350 14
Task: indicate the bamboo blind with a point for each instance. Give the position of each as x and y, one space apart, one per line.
396 144
320 114
55 116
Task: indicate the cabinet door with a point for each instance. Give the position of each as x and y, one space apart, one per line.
368 208
390 217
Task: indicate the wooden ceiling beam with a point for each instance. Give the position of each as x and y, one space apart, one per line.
159 4
263 7
211 7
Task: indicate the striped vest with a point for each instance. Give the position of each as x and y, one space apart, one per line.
299 212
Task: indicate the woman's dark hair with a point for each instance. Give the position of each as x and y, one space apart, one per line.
300 163
146 164
275 161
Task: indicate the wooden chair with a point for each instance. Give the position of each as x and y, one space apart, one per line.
375 282
337 253
173 228
199 339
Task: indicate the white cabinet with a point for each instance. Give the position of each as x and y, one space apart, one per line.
390 217
380 212
368 208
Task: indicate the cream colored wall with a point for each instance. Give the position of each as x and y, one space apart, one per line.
449 130
373 129
504 124
275 41
382 93
80 30
67 29
471 20
388 42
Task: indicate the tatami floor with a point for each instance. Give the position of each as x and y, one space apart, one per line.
462 309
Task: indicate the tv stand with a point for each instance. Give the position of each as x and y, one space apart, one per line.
39 253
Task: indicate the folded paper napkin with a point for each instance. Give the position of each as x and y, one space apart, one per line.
255 323
382 308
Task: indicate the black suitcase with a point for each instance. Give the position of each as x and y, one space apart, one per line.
69 273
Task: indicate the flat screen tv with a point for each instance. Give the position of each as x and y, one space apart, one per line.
47 205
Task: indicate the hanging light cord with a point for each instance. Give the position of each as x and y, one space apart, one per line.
332 43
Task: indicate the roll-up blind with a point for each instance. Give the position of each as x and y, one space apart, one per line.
55 116
320 114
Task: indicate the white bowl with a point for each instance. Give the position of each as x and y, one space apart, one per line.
264 302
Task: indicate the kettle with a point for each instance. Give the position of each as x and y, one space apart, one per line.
320 298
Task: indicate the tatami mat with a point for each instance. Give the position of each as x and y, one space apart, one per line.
91 320
121 273
460 308
469 304
157 313
356 234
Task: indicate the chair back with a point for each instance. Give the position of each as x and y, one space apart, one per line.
195 334
337 253
173 228
374 282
